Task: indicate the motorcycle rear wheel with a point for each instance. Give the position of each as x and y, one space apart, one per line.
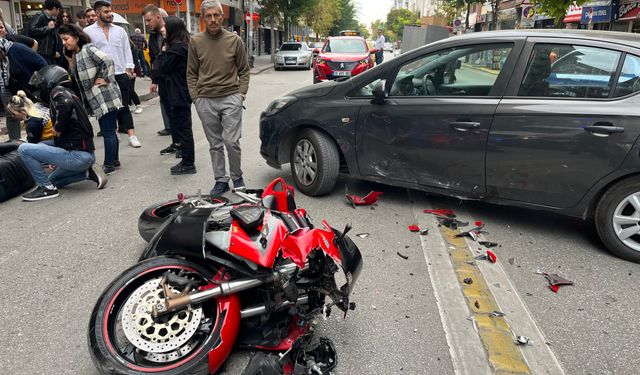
117 316
153 216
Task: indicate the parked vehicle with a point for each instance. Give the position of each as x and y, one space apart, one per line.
315 48
388 47
293 55
216 275
342 56
540 119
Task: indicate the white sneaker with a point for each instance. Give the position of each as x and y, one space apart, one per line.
138 110
134 142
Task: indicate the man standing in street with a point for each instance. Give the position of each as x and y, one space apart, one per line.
154 20
42 28
113 40
141 44
218 80
380 47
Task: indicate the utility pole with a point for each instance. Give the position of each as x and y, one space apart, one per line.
189 16
250 42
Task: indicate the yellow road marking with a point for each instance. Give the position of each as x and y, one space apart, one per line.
503 354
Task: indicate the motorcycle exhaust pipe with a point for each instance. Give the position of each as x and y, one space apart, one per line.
180 302
260 310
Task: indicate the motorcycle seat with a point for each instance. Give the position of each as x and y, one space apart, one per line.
249 217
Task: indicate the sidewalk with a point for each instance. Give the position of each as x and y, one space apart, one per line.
261 64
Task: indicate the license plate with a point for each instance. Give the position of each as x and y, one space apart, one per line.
342 73
290 60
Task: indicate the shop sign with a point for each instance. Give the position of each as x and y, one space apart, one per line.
596 14
574 13
625 10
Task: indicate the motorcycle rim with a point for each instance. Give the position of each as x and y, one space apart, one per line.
135 358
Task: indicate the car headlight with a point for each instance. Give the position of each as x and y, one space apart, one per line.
279 104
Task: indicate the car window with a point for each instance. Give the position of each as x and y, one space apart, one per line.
629 81
291 47
345 46
570 71
461 71
366 90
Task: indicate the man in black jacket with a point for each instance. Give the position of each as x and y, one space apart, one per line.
71 152
154 19
43 29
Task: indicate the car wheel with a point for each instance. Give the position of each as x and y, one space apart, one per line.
617 219
315 163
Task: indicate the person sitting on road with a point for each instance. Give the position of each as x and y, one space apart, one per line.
35 117
71 154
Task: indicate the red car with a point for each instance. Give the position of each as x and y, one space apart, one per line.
342 56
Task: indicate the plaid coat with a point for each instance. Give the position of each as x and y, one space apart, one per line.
91 64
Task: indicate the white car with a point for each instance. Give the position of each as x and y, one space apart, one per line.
293 55
388 47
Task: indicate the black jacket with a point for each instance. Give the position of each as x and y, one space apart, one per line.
70 120
38 29
173 69
155 48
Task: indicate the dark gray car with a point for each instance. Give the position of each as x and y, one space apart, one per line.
541 119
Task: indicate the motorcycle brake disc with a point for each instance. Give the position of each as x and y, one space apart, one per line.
166 334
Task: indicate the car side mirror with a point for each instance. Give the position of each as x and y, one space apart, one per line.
379 92
373 50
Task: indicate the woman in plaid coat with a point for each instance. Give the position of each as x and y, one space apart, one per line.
94 73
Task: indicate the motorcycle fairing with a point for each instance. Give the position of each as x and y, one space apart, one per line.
261 245
227 325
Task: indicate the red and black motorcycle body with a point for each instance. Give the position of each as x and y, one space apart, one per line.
250 241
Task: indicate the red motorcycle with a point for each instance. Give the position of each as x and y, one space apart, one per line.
215 276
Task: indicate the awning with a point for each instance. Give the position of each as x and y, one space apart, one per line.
631 15
573 18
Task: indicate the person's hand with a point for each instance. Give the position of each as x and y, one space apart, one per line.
153 88
100 82
130 73
57 55
51 24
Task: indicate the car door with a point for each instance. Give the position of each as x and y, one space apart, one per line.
432 129
569 119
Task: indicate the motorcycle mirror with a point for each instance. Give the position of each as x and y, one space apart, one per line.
346 230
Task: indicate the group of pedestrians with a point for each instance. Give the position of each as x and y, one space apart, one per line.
209 69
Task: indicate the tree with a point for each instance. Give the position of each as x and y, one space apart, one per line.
285 11
364 31
397 19
347 18
378 24
555 8
322 15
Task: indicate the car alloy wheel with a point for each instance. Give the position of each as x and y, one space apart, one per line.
626 220
305 162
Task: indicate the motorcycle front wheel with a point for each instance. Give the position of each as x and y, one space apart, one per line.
124 338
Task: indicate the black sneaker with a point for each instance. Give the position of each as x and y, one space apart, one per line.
239 185
179 154
164 132
109 169
183 169
96 174
116 164
169 150
99 133
40 193
219 188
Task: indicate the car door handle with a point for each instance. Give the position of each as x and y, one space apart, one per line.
604 128
464 126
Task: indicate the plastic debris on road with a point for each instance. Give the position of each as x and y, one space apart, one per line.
367 200
468 281
414 228
402 255
363 235
555 281
489 255
446 213
523 340
488 244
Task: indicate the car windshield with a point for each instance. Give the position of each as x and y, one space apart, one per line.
345 46
291 47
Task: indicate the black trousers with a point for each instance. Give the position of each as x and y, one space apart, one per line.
125 119
181 129
133 94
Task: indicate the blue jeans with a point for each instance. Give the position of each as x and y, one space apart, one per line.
108 128
143 63
71 166
379 57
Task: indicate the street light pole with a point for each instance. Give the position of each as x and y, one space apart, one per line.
250 57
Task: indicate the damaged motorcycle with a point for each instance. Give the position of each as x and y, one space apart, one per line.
217 275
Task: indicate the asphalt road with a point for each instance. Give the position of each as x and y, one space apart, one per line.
57 256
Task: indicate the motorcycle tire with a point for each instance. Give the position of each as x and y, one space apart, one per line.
207 329
155 215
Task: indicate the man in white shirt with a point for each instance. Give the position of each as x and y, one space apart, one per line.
114 41
380 47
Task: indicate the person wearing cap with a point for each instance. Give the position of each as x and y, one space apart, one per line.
114 41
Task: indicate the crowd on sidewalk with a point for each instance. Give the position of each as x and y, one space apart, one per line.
58 73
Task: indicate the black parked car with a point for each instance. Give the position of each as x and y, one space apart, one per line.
540 119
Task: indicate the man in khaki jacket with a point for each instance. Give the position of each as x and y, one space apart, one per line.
218 80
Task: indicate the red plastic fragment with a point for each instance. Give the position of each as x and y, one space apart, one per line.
414 228
491 257
555 281
554 288
479 224
367 200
